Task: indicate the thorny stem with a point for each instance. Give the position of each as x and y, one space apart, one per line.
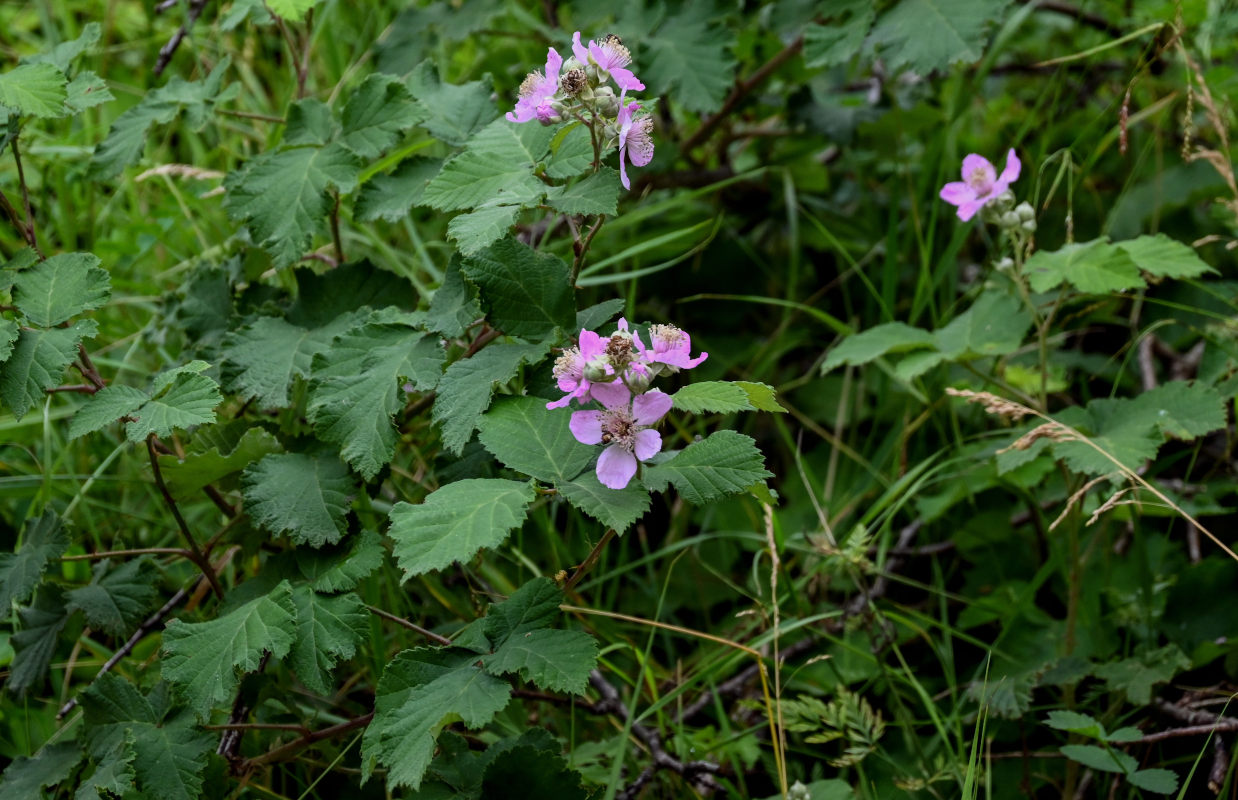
412 626
581 248
284 752
141 551
335 230
589 561
31 237
195 553
227 112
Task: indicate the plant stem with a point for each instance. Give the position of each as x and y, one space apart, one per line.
589 561
581 248
195 553
431 635
284 752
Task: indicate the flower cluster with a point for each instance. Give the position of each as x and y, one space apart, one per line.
615 372
578 89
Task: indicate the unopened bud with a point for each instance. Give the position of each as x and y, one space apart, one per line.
1004 265
1005 201
596 370
1009 219
1025 211
1029 225
638 382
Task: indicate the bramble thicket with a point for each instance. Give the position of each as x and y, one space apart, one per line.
507 399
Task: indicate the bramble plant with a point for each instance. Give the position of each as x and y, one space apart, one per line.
505 399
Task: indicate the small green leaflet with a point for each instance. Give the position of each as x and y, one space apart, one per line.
38 361
530 438
616 509
117 598
927 35
468 384
456 521
723 397
34 646
43 540
391 197
596 194
262 358
61 287
304 496
840 37
328 631
203 658
341 568
9 330
454 112
889 337
724 463
454 306
571 152
376 113
291 10
499 158
216 453
190 400
25 777
1164 257
34 89
105 407
556 660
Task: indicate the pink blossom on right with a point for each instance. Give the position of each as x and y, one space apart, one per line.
671 346
635 143
610 57
626 429
981 184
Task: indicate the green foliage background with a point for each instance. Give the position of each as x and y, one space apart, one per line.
319 284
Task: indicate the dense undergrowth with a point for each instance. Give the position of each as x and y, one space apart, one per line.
294 504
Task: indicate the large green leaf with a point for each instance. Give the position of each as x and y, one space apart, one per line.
559 661
688 58
530 438
499 158
487 223
44 539
932 34
1164 257
214 454
304 496
869 345
38 361
454 306
341 568
724 463
391 197
616 509
117 598
105 407
994 325
524 293
202 658
596 194
453 112
376 113
61 287
355 389
421 691
34 89
840 36
455 521
283 195
169 753
468 384
262 358
25 777
1096 267
36 642
328 631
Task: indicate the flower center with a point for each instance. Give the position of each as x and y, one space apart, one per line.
531 83
568 364
666 335
619 350
981 179
618 427
574 81
613 45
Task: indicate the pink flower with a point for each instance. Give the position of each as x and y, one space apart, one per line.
635 144
538 91
610 57
626 428
981 184
569 368
671 346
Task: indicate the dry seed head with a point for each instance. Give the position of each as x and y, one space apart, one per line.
1049 430
992 403
574 82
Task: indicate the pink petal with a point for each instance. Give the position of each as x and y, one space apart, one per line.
648 443
973 162
1011 173
553 62
625 80
651 406
957 193
611 395
591 345
622 324
586 426
616 467
623 169
578 50
968 210
561 402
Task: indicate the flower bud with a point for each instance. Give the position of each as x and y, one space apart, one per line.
799 791
1029 225
1004 265
1005 201
596 371
638 382
1025 211
1009 219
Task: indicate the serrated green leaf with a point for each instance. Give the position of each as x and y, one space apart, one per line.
530 438
9 330
932 34
341 568
127 136
455 521
36 642
355 389
467 385
61 287
595 316
205 465
558 661
499 158
761 396
535 605
310 122
453 112
44 539
840 37
724 463
524 293
596 194
994 325
328 631
118 598
1182 410
1096 267
283 196
616 509
869 345
25 777
718 397
1127 734
689 59
571 152
38 361
190 400
391 197
1099 758
377 112
34 89
105 407
262 358
1075 722
420 692
87 90
291 10
347 291
304 496
169 754
1136 676
1158 781
114 776
1164 257
454 306
481 227
526 772
62 56
203 658
1116 427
